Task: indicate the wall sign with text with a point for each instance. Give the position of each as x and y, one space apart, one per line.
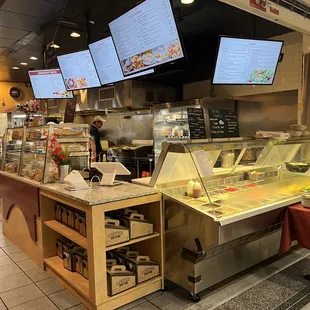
196 122
223 123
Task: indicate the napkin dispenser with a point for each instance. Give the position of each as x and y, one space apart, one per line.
74 181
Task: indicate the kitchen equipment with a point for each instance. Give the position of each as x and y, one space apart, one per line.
119 280
138 225
115 233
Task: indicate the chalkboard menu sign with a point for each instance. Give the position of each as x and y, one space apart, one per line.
223 123
196 122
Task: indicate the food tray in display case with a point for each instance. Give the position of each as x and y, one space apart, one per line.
74 139
239 179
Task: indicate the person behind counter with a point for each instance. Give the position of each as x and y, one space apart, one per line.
96 147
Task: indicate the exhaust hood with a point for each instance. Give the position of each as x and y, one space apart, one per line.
127 96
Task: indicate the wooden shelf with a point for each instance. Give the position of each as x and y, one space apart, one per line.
132 241
73 278
67 232
134 293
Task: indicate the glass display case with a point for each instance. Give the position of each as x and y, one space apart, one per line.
12 149
238 179
237 215
171 123
74 139
27 151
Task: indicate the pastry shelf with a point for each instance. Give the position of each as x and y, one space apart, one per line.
132 241
55 266
67 232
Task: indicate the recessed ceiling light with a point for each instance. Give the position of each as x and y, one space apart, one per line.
33 58
75 35
24 63
55 45
187 1
15 68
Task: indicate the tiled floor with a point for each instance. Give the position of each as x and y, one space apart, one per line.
25 286
277 286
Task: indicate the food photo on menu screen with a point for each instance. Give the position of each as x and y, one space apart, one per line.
48 84
107 64
146 36
247 61
78 70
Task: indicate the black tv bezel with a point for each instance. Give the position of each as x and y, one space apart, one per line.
244 38
125 78
94 67
178 31
48 98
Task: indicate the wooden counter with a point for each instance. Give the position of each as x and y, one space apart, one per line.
30 222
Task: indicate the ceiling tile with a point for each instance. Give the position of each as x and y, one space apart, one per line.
35 8
18 21
6 42
11 33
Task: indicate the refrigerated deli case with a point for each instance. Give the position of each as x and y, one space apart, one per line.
237 221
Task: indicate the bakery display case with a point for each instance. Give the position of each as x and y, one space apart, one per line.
74 139
34 149
12 149
236 216
27 151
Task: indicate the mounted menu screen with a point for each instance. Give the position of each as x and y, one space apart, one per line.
107 64
48 84
146 36
247 61
78 70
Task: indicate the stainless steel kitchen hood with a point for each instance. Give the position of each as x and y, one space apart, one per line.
127 96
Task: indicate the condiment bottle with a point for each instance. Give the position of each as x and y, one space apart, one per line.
190 188
197 190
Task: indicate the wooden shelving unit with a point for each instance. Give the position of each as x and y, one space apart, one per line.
67 232
93 292
132 241
73 278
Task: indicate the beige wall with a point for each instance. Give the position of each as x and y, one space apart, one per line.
288 76
5 87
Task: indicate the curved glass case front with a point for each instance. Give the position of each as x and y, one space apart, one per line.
238 179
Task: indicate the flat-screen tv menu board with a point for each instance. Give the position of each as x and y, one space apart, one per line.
78 70
246 61
107 64
146 36
48 84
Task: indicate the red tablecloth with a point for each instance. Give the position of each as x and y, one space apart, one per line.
296 227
